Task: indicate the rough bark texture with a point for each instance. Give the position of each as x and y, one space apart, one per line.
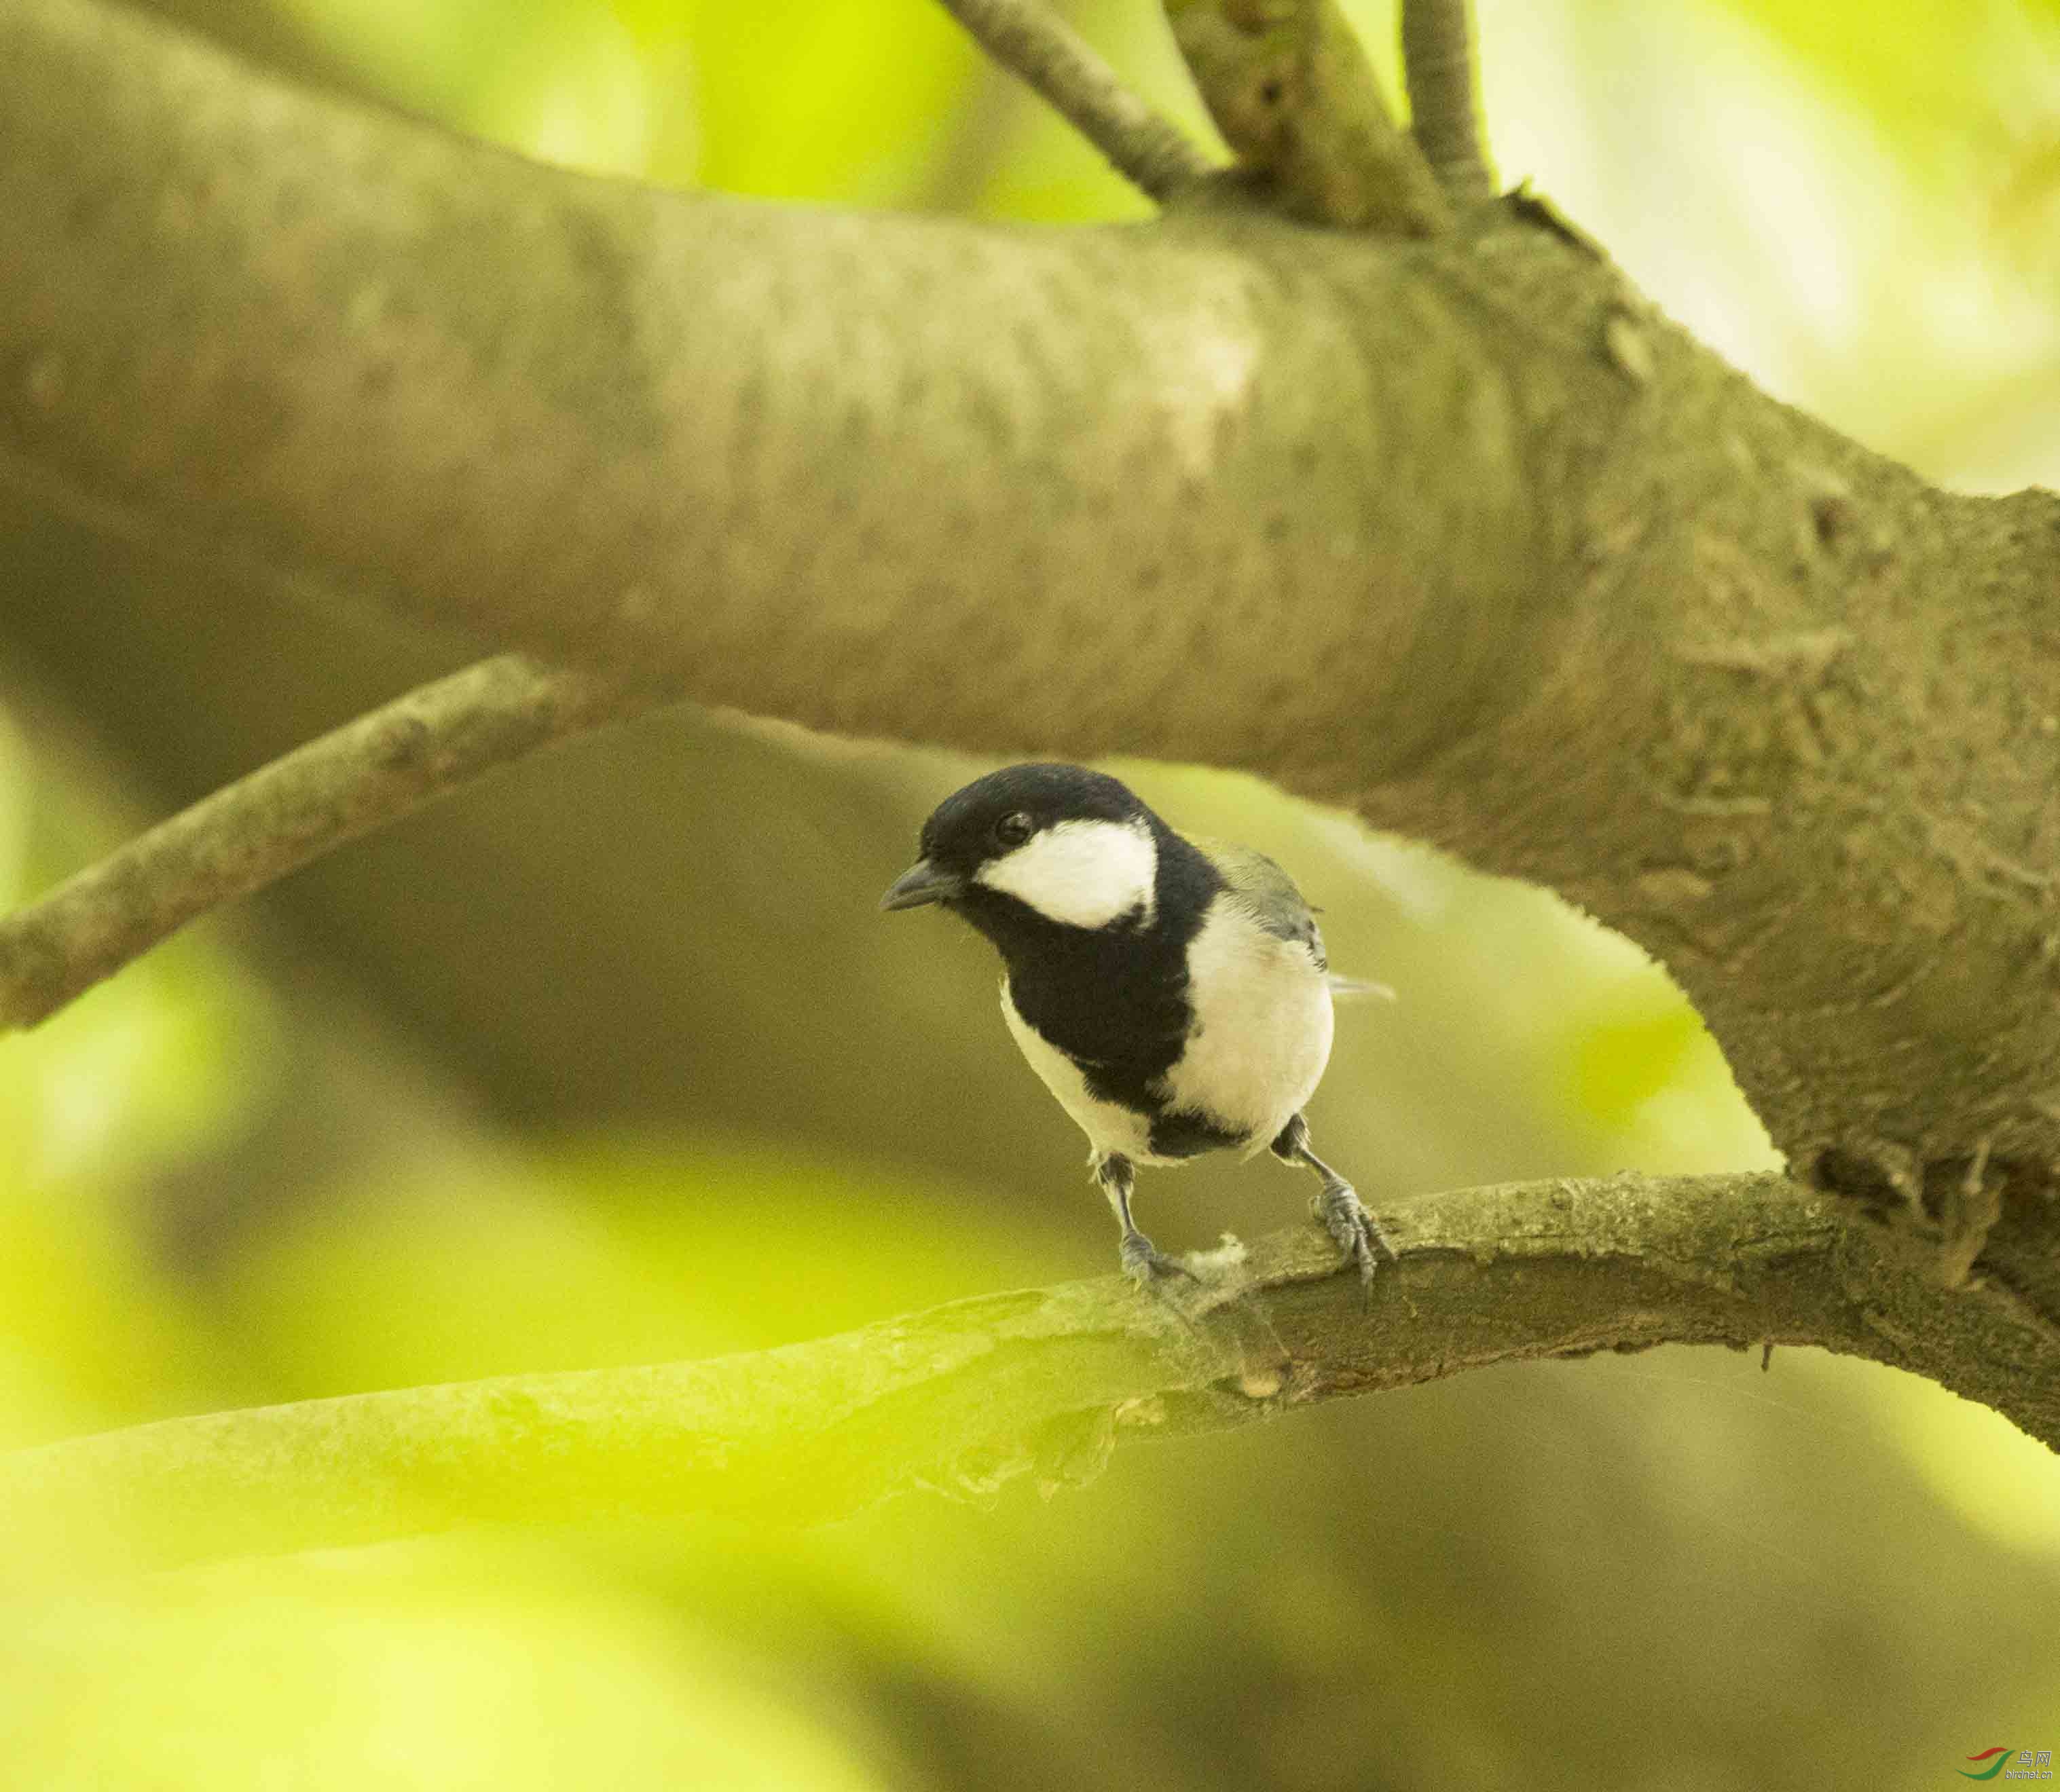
1457 532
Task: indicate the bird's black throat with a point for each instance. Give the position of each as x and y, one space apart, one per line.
1114 998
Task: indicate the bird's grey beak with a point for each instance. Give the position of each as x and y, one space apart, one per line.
922 882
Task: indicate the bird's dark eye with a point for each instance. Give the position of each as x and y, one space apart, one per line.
1013 829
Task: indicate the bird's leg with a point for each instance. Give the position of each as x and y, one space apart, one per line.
1142 1262
1357 1232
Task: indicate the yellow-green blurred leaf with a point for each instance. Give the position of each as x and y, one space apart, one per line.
611 1256
356 1673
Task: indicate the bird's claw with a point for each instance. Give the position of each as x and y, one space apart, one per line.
1149 1266
1355 1231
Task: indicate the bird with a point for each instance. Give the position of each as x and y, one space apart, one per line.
1173 994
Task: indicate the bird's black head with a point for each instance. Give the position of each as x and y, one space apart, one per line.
993 816
1075 847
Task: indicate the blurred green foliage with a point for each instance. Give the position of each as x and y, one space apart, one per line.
229 1177
131 1076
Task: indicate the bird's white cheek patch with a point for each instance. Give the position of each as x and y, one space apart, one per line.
1080 873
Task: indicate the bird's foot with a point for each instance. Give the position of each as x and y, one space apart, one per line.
1355 1231
1150 1268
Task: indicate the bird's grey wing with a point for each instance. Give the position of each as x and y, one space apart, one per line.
1268 893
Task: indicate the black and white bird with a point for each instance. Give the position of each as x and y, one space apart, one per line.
1175 998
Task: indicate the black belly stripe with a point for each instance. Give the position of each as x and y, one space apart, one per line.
1189 1134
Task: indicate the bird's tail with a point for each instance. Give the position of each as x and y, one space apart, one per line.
1358 989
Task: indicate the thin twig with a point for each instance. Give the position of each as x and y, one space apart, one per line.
1149 150
1438 65
358 777
1039 1384
1289 86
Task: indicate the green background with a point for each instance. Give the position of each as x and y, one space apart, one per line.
613 1060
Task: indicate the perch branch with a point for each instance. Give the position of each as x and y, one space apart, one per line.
1040 1383
1438 66
1290 88
1028 38
357 777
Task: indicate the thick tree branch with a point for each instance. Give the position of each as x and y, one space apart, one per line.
1438 62
1040 1382
1288 84
1456 531
1028 37
358 777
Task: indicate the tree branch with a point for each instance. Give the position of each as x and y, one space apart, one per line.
1437 62
1040 1382
1288 84
1028 37
1457 531
358 777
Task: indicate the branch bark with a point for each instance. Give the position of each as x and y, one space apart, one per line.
1289 86
1028 37
1438 60
371 772
1039 1382
1458 531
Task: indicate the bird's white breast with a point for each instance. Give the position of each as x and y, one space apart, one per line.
1080 873
1261 1028
1256 1050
